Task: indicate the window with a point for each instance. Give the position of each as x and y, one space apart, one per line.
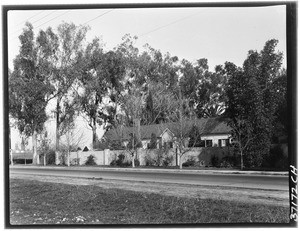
168 144
223 142
208 143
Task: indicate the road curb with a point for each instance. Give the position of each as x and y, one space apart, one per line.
184 171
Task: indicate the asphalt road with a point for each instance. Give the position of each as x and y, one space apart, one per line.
273 182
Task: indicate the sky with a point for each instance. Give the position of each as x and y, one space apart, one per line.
218 34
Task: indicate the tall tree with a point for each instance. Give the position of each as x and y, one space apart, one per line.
252 118
68 42
100 78
29 87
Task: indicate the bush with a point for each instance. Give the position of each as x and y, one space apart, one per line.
168 161
75 161
228 162
136 162
121 163
50 157
149 161
113 163
214 161
276 159
120 160
90 160
191 162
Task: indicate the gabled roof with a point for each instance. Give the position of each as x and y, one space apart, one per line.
205 126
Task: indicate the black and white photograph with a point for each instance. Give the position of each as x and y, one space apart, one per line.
150 115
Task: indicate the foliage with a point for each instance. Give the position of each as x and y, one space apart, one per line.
90 160
120 161
134 143
50 157
153 141
252 118
100 76
29 86
191 162
195 137
215 161
277 158
159 157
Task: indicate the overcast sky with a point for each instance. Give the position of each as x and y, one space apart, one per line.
218 34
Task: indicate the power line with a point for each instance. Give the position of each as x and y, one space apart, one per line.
33 23
44 16
53 19
29 18
98 16
158 28
48 20
24 21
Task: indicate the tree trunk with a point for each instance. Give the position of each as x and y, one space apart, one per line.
180 163
35 159
94 129
44 159
242 162
133 153
68 159
133 157
57 132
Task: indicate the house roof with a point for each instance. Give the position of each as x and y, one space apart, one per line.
205 126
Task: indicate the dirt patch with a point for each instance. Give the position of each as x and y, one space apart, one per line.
253 196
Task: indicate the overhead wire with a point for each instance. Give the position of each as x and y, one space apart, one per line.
98 16
53 19
171 23
33 23
48 20
23 21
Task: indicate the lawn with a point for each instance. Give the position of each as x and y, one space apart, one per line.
35 202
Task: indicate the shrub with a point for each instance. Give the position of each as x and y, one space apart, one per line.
228 162
120 160
121 163
168 161
90 160
214 161
191 162
149 161
276 158
75 161
136 162
113 163
50 157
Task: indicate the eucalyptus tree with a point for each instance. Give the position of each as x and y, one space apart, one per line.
67 44
100 79
29 85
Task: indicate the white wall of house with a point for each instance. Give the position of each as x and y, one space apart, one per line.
145 143
82 134
167 136
215 138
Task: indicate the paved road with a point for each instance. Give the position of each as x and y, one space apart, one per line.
212 179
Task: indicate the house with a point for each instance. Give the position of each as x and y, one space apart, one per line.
213 132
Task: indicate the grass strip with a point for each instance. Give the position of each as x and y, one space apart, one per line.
35 202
